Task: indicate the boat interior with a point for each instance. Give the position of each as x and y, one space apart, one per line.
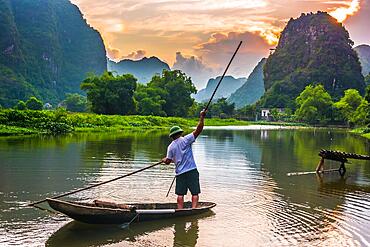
134 206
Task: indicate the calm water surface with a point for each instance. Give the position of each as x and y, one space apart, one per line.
243 170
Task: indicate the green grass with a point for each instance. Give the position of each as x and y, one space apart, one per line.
17 122
365 132
13 130
13 122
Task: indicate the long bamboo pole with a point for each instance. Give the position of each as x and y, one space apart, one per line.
223 75
213 94
96 185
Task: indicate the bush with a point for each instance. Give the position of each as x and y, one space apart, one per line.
34 104
21 105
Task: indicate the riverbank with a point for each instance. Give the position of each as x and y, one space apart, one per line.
28 122
364 132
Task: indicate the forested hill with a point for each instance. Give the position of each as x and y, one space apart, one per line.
143 69
46 50
252 90
312 49
363 52
227 87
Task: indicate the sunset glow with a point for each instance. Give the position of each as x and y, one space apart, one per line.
205 30
342 13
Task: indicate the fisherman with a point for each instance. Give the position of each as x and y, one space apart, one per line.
181 153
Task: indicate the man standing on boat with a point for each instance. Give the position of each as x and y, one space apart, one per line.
180 152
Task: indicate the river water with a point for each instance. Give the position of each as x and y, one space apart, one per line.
243 170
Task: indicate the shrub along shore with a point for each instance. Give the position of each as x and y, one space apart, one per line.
30 122
26 122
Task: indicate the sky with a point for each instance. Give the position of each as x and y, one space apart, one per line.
199 36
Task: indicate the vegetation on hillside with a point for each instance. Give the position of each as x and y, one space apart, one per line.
313 49
46 49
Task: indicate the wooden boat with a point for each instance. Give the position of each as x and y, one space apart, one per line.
102 212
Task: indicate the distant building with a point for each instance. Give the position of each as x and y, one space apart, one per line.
266 113
48 106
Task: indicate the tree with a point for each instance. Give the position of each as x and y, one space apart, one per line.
149 100
314 105
175 89
111 94
75 102
367 94
21 105
34 104
367 79
221 108
367 98
361 115
248 112
348 104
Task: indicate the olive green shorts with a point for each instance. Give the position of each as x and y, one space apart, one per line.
188 180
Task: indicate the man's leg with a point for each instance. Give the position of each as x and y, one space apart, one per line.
180 202
194 201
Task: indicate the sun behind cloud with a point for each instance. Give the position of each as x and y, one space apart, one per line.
342 13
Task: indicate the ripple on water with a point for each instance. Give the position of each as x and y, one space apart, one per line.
241 171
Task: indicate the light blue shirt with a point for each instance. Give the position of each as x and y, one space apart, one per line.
180 152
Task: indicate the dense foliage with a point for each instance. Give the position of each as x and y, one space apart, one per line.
348 104
314 48
367 80
34 103
314 105
111 94
168 94
59 121
46 49
150 100
219 108
75 103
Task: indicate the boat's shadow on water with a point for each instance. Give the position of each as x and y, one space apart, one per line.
185 231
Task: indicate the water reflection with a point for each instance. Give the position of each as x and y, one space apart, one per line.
243 171
185 233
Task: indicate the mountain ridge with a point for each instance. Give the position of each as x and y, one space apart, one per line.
252 90
48 48
227 87
312 49
363 52
143 69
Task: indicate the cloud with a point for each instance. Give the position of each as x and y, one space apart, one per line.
195 68
217 51
135 55
349 9
113 53
163 27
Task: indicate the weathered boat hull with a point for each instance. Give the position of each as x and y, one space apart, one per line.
92 214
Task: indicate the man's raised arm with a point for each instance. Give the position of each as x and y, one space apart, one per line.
200 125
